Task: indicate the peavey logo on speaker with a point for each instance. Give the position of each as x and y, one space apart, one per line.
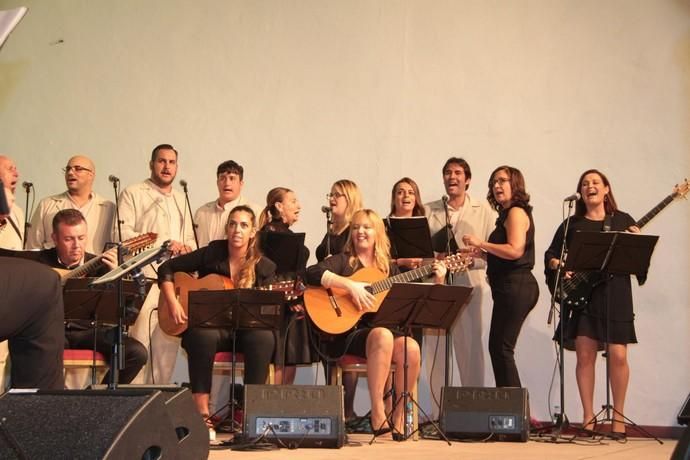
292 393
482 394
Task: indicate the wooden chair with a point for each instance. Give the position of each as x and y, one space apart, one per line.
75 361
358 365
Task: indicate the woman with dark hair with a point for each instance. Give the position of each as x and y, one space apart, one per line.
406 202
239 259
510 260
368 247
281 212
587 330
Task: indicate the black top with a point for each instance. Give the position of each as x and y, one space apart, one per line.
340 265
337 244
50 258
614 294
212 259
498 266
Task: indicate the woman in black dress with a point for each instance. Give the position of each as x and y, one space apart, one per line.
281 212
239 259
368 246
344 199
586 330
510 260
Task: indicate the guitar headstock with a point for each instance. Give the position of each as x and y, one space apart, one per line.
458 262
680 190
292 289
139 243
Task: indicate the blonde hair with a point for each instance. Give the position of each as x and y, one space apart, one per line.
270 212
353 197
382 246
247 275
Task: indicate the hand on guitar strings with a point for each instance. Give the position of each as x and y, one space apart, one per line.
110 258
360 295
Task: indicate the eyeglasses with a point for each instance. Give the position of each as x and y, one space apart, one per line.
500 181
77 169
335 195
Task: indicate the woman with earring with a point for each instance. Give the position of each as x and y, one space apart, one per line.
587 330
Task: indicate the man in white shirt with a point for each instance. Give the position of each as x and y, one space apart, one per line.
99 213
12 227
212 216
467 216
153 206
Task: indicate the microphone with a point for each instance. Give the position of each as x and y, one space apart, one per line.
326 209
444 198
183 183
27 186
113 179
574 197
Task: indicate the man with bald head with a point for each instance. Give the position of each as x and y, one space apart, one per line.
99 213
12 225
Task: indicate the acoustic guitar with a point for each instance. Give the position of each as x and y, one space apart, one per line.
334 312
132 247
186 283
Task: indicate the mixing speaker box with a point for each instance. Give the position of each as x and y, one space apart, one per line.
294 415
477 412
111 424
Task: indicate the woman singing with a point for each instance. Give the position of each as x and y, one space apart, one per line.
510 259
368 246
281 212
239 259
406 201
586 329
343 200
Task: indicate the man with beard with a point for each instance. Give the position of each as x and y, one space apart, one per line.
467 216
154 206
99 213
212 217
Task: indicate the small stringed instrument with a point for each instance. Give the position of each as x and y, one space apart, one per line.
337 313
132 247
186 283
577 290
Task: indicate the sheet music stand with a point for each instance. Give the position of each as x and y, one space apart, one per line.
286 250
414 305
236 309
612 253
83 302
410 237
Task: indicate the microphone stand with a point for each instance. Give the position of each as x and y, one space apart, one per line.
329 224
189 206
27 225
449 281
116 184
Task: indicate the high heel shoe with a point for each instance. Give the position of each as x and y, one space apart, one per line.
384 428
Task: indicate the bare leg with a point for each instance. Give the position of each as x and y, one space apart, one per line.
413 362
379 356
586 351
201 402
619 375
285 375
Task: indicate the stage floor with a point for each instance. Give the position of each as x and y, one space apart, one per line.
387 449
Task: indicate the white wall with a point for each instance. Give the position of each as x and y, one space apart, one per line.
302 93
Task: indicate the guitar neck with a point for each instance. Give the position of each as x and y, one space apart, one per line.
412 275
84 269
655 210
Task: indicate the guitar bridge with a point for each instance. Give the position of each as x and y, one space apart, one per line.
334 303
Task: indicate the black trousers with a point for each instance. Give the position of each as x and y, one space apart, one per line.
33 321
135 352
515 294
202 344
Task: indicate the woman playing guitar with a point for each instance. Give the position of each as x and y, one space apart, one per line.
368 247
586 329
239 259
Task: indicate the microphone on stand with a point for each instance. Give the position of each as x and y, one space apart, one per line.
444 198
183 184
113 179
574 197
326 209
27 186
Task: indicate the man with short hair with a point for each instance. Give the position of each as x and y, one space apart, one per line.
467 216
12 225
99 213
154 206
70 238
211 218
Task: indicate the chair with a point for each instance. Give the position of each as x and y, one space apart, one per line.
76 361
222 363
358 365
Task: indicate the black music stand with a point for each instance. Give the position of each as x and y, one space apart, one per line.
418 305
100 306
236 309
611 253
286 250
410 237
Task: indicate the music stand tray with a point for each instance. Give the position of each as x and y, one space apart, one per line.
286 250
83 302
409 237
622 253
237 309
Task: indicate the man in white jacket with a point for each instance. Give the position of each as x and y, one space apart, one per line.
154 206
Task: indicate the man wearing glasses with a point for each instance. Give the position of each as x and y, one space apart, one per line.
98 212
